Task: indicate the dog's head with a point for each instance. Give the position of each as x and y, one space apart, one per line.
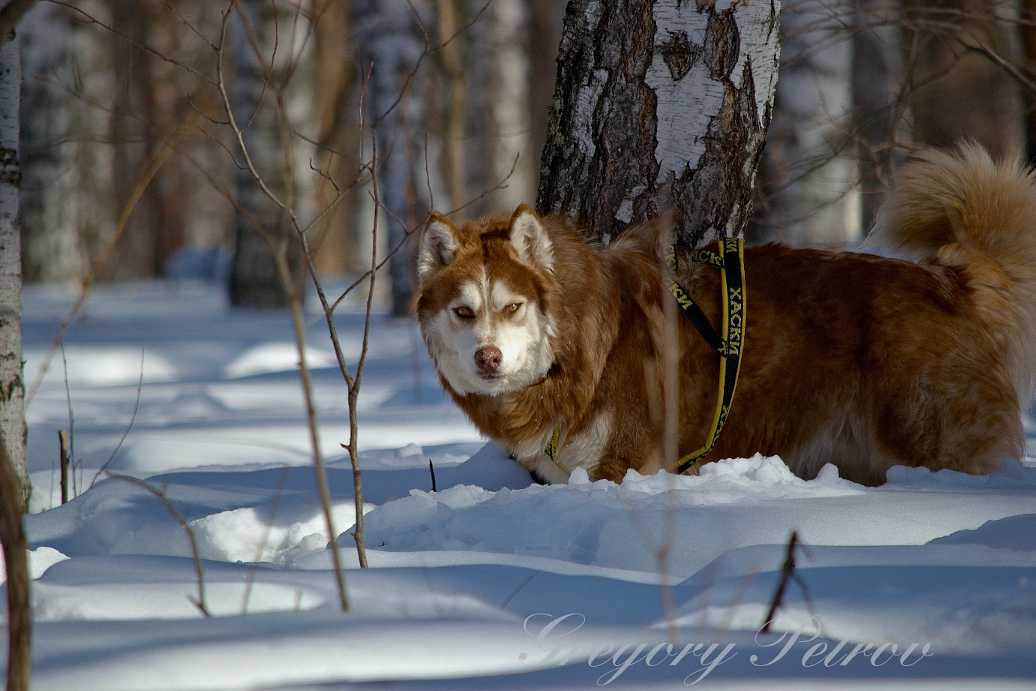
484 303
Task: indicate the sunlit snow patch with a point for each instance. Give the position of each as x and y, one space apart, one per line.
276 357
101 366
602 523
40 559
129 601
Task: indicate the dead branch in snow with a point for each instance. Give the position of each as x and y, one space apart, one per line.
198 602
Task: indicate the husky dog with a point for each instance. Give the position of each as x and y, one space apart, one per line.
571 354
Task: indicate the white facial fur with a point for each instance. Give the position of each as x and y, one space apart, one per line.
487 312
501 318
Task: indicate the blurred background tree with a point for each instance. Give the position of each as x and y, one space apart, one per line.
457 91
107 85
862 82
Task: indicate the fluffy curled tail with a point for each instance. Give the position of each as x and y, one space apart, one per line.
962 211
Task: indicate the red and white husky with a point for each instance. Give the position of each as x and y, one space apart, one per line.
853 359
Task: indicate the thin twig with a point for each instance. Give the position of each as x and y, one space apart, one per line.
71 419
125 433
285 472
788 573
520 588
294 293
198 602
63 450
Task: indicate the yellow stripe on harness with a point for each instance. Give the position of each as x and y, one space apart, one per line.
730 344
554 448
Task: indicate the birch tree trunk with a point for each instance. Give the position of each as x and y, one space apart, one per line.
12 387
453 155
334 105
389 37
254 279
660 106
52 173
546 19
497 68
810 171
14 481
16 560
143 102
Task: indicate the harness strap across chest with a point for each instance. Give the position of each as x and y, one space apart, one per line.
554 447
730 261
729 345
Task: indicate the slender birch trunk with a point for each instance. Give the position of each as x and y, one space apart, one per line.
337 244
14 481
498 112
546 18
447 23
391 46
65 195
810 164
16 559
254 277
12 387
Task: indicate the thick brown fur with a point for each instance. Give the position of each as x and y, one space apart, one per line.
849 358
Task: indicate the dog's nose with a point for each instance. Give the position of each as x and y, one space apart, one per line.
487 359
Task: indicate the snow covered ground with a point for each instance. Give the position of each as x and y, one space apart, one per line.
491 582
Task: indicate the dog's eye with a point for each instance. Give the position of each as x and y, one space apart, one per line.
464 312
513 307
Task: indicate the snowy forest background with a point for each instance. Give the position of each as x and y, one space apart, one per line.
144 230
106 86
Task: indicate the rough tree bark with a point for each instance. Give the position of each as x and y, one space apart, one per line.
660 106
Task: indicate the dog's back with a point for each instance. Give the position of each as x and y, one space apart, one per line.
961 211
868 362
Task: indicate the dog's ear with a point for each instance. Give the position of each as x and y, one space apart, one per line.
529 238
438 246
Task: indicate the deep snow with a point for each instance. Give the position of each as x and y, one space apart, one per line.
490 582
